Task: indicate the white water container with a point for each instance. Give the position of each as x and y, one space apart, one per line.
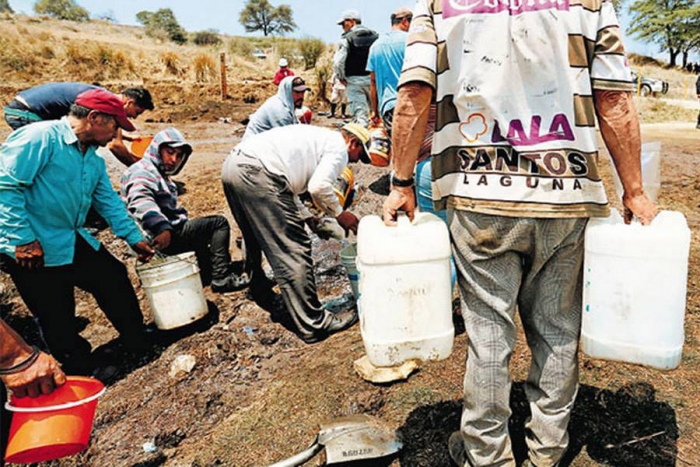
174 290
634 289
405 290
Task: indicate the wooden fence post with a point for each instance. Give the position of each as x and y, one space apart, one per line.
224 90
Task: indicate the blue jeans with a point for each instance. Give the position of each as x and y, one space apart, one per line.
424 199
17 118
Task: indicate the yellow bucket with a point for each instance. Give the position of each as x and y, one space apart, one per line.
379 146
343 186
139 145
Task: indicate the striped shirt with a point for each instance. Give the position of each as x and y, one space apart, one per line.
514 81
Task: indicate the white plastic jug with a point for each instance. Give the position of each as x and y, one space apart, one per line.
174 290
651 171
634 289
405 291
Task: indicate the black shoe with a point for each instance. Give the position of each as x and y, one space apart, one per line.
104 373
340 321
231 283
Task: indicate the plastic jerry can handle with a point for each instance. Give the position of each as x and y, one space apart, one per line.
403 221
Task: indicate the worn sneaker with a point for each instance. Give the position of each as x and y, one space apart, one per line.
455 446
231 283
342 320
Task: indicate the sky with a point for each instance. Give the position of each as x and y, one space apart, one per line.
315 18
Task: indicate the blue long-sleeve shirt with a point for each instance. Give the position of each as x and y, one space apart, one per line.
47 186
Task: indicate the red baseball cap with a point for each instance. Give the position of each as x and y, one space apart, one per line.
106 102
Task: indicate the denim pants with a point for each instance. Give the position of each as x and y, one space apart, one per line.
359 99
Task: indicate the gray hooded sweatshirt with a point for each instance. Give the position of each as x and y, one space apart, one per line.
276 111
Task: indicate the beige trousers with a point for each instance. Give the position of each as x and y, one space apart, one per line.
535 264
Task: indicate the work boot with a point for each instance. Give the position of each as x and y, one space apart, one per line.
231 283
340 321
104 373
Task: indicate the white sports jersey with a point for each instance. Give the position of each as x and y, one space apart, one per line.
514 82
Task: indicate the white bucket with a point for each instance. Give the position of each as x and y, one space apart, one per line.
348 256
634 291
174 290
405 290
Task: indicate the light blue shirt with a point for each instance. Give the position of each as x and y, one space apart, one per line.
385 61
47 186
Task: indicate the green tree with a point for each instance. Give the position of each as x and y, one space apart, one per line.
162 23
5 7
260 15
208 37
662 22
62 9
311 49
689 31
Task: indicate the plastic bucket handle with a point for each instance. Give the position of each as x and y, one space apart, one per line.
50 408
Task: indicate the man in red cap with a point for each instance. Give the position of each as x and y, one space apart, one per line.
50 175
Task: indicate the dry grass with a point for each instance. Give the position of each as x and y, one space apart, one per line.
655 110
204 68
35 50
171 62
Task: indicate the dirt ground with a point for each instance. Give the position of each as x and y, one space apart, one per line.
257 393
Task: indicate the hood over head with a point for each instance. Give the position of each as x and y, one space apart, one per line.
170 137
284 92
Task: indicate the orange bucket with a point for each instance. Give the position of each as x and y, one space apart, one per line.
54 425
139 145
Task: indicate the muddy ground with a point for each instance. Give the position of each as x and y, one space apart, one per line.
257 393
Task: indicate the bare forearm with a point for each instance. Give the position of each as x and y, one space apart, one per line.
122 153
374 98
13 349
410 120
619 126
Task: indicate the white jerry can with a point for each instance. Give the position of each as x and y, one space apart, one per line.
405 291
634 289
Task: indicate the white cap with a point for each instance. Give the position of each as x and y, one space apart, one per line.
284 62
350 14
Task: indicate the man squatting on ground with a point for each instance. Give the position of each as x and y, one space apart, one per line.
50 175
350 64
279 109
515 164
51 101
263 178
151 197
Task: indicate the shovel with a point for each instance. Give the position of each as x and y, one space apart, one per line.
349 439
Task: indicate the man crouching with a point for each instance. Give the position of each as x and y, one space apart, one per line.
263 177
50 175
151 197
